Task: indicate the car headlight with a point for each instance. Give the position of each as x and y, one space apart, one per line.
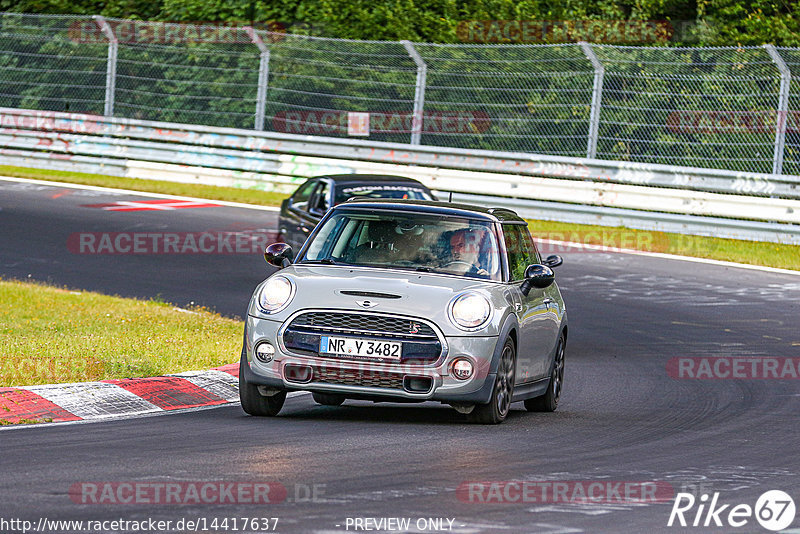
275 294
470 311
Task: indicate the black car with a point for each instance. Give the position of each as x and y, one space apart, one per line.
301 212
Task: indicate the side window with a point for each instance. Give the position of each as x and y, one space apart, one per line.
319 200
301 196
520 248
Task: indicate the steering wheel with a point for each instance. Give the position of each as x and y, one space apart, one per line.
461 262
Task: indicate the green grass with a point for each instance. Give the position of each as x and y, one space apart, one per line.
54 335
6 422
755 253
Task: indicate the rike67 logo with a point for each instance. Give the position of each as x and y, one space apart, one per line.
774 510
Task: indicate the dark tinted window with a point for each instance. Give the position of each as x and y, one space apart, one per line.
301 196
520 248
413 241
397 191
320 198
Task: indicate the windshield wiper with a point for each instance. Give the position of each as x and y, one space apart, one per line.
424 269
323 261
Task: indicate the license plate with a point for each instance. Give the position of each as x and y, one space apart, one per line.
360 347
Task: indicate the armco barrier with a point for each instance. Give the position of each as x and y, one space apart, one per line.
696 201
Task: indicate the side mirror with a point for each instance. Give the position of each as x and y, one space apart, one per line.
553 261
538 276
279 254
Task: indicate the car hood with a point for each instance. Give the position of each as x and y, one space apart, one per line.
422 295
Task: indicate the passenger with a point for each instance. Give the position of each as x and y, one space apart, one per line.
410 243
379 247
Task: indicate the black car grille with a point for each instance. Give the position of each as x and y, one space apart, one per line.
420 342
358 377
358 323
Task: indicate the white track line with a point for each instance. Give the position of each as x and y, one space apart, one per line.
138 193
660 255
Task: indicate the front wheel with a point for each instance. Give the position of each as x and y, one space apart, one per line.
549 401
496 411
254 403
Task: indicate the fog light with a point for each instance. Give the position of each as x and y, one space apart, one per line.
462 369
264 352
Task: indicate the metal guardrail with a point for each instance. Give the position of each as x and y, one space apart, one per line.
695 201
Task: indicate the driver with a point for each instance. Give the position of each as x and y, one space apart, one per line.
465 247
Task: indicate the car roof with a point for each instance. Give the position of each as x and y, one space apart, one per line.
432 206
342 179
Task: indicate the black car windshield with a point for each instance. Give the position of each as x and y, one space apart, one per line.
398 191
423 242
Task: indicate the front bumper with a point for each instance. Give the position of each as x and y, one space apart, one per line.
384 381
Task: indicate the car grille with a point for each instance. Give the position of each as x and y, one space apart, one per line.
420 342
358 377
357 323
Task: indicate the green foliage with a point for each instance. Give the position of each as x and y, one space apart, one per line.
697 22
526 99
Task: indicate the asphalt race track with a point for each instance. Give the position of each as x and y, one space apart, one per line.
622 417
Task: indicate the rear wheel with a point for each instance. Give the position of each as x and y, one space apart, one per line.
328 399
549 401
254 403
496 411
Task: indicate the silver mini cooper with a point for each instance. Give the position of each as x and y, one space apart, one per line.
408 301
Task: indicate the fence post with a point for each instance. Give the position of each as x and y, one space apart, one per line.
263 77
111 64
597 98
419 92
783 108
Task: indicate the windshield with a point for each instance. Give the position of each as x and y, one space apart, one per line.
427 243
398 191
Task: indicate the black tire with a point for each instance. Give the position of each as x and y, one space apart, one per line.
328 399
497 409
549 401
254 403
